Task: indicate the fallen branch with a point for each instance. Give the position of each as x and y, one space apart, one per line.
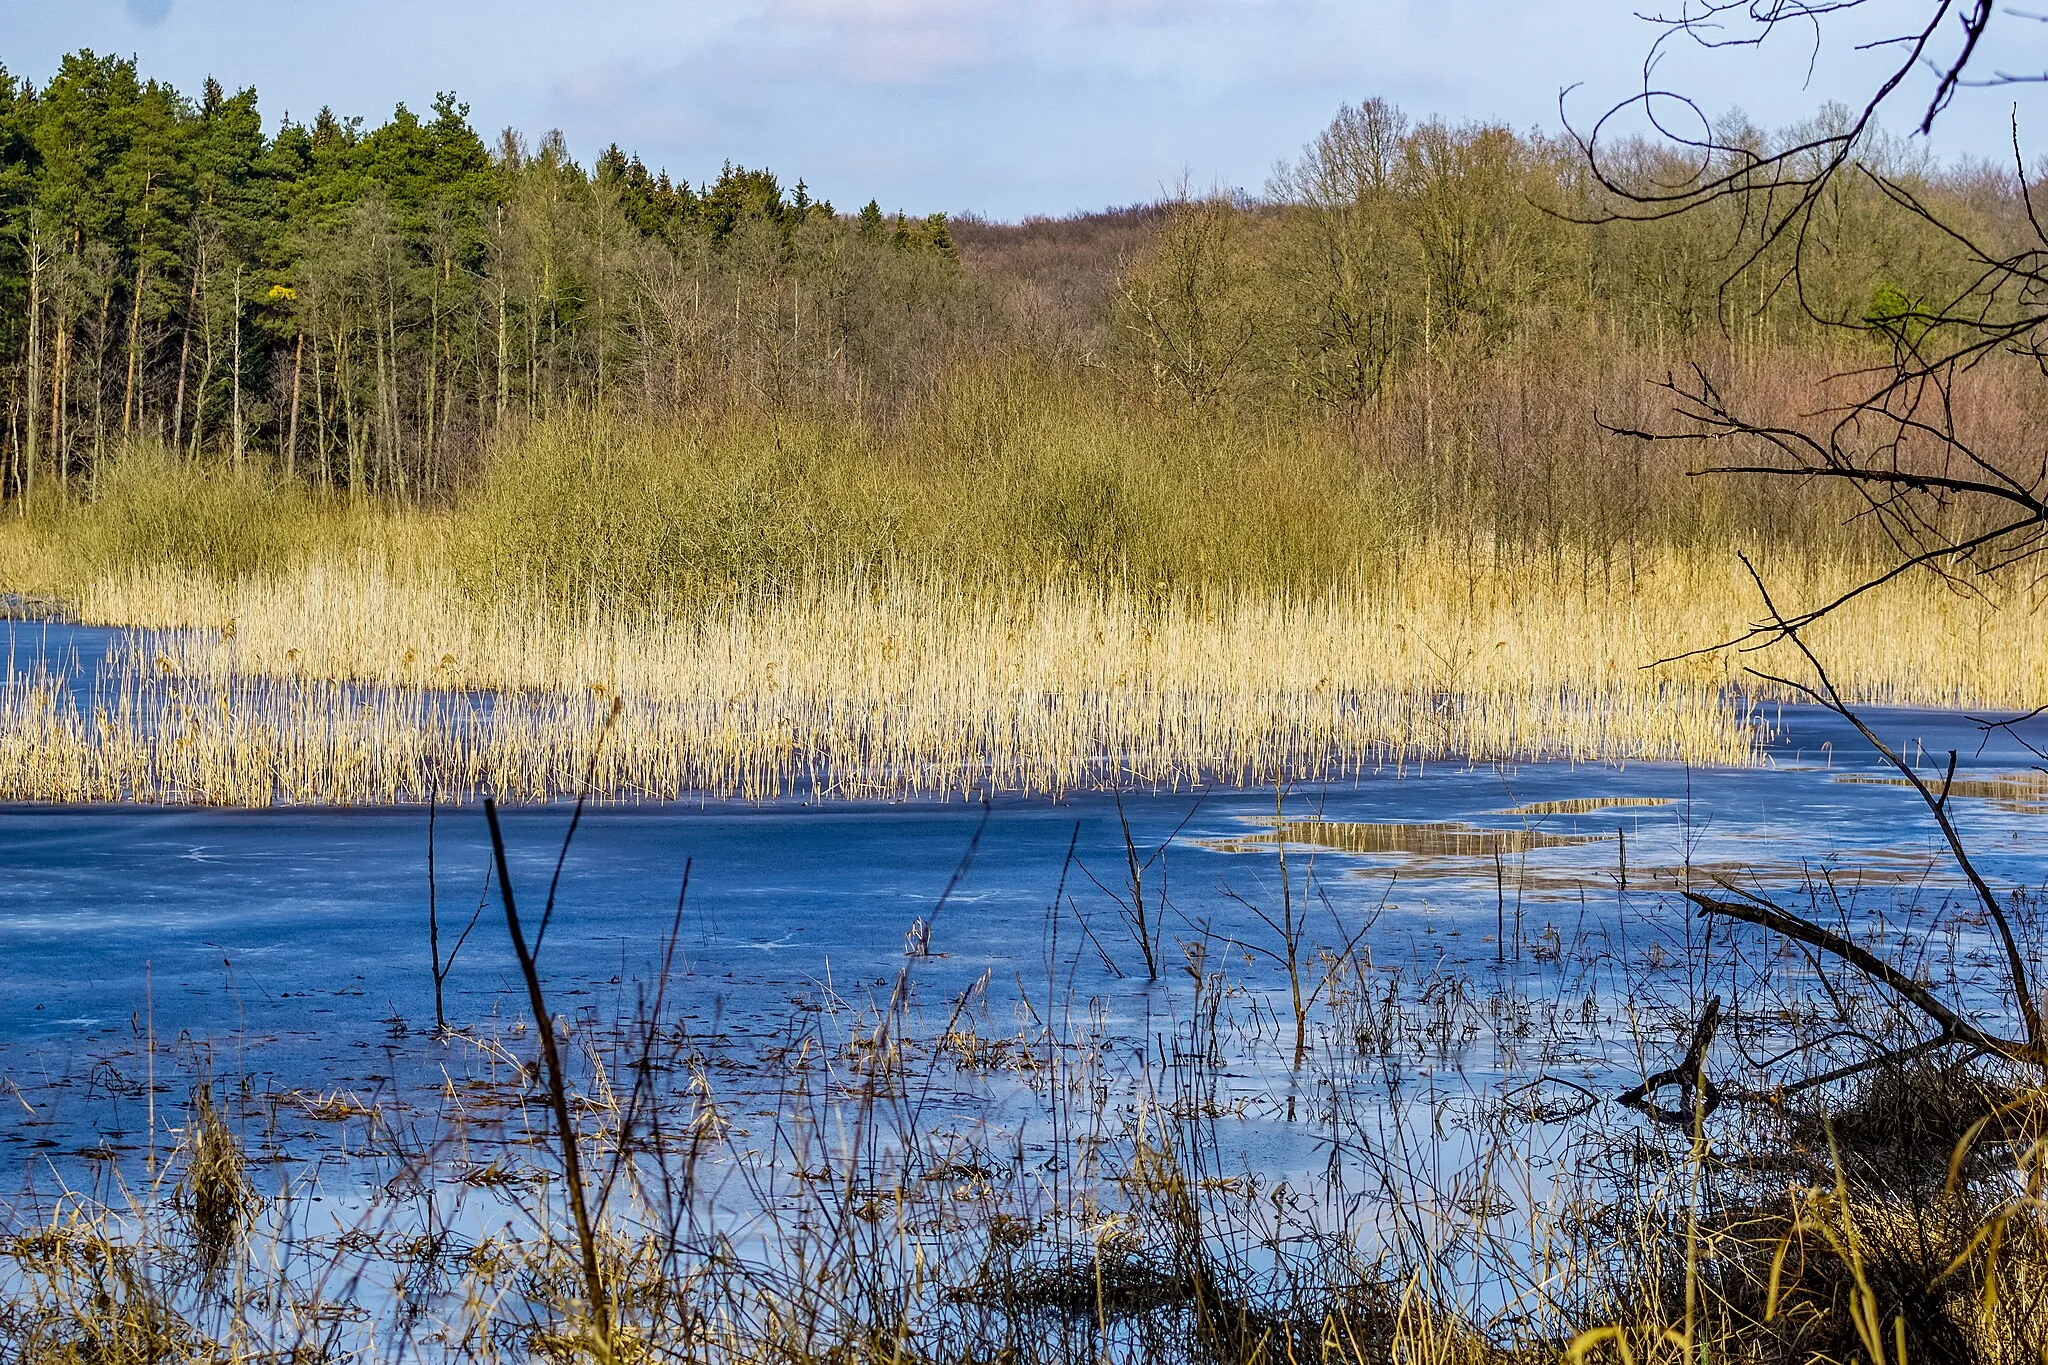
1689 1075
1954 1027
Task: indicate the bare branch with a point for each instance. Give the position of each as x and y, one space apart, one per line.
1785 924
1829 696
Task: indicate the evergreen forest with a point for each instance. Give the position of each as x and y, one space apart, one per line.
360 306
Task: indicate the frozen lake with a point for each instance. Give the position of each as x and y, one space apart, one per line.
1488 948
287 950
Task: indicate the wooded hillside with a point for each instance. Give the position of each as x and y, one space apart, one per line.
363 307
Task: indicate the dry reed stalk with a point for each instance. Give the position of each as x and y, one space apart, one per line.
349 682
917 694
1447 621
215 1192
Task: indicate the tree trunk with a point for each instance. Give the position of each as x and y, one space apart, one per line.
238 369
383 405
603 318
129 414
57 432
432 387
205 380
14 407
185 350
500 420
26 477
397 401
320 419
99 383
349 424
532 354
502 376
291 440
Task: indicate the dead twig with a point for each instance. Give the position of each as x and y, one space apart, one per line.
558 1095
1690 1076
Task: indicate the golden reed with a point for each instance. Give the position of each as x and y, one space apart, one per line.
349 683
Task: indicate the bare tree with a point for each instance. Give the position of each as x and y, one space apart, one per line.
1947 500
1178 308
1894 431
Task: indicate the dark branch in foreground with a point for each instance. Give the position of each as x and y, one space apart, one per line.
1831 697
1954 1026
1698 1095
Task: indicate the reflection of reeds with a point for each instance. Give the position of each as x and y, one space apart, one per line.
1439 839
2021 793
1586 805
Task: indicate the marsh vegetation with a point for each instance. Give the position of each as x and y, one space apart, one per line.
424 470
1315 482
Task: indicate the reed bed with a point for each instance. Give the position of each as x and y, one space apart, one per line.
153 737
356 688
371 680
1444 617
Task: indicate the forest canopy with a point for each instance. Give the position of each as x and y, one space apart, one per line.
365 303
364 308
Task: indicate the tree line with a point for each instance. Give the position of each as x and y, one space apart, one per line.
363 307
1393 251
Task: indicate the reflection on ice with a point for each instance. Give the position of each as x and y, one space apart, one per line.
1585 805
1443 839
2024 793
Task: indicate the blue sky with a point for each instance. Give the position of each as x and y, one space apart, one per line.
1004 107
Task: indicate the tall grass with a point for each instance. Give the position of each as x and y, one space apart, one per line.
355 683
1018 469
841 689
1012 469
1019 584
